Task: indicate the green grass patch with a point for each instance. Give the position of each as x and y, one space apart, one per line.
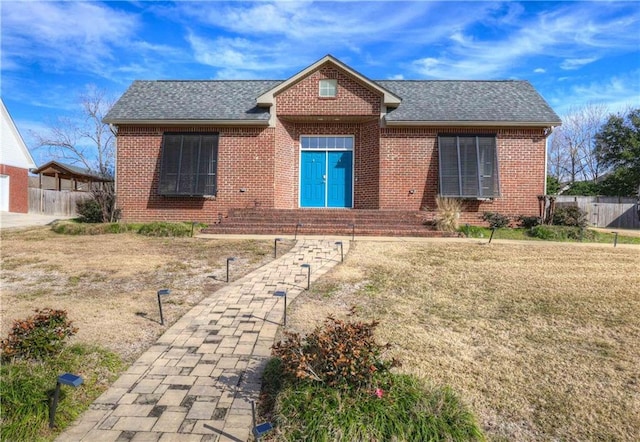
26 389
403 410
158 229
548 233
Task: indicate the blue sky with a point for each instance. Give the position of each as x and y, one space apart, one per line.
572 52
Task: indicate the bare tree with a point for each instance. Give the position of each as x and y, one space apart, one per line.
86 141
572 153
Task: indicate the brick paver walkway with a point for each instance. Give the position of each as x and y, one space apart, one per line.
197 382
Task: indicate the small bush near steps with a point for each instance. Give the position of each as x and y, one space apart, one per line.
333 384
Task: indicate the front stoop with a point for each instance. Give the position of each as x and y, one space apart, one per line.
341 222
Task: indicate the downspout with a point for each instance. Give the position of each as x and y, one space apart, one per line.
114 130
547 132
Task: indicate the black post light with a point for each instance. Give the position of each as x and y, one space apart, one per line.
69 379
162 292
275 247
230 259
339 243
259 430
308 267
353 232
466 227
493 231
282 294
615 239
295 236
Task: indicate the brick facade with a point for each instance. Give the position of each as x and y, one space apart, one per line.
18 188
395 168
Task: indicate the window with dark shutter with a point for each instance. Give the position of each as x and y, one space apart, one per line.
189 164
468 166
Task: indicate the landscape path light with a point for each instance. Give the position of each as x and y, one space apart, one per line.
275 246
69 379
339 243
282 294
230 259
295 236
162 292
308 267
259 430
615 239
493 230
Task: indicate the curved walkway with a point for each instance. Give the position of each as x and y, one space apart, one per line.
197 382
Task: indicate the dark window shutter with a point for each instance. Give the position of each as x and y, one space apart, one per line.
449 173
189 164
468 166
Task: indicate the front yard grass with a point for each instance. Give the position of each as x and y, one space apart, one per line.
541 340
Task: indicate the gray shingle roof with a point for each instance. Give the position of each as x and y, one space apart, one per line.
500 101
427 101
191 100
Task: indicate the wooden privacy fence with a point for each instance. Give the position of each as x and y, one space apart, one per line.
606 211
53 202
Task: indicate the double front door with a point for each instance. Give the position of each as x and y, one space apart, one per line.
326 178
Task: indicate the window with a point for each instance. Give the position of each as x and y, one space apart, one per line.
327 142
468 166
189 164
328 88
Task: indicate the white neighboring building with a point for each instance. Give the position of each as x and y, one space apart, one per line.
15 162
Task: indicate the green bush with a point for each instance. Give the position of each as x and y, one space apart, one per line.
527 222
562 233
166 229
38 336
89 211
496 220
571 216
338 354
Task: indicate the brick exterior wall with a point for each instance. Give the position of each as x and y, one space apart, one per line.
245 161
394 168
353 98
18 188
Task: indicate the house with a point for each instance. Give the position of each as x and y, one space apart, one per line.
328 138
15 162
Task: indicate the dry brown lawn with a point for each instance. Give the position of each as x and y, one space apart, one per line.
541 340
108 283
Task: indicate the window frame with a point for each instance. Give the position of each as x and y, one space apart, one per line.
323 86
195 187
479 173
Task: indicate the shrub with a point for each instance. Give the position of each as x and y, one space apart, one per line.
571 216
496 220
38 336
89 211
528 222
448 214
562 233
165 229
339 353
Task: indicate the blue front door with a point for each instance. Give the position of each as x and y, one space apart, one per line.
326 179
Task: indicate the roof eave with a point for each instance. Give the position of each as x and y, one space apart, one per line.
473 123
121 121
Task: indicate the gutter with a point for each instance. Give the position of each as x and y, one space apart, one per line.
414 123
116 121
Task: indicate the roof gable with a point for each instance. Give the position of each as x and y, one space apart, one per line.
13 151
267 98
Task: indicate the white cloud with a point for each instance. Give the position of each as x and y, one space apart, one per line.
539 70
66 35
396 77
576 63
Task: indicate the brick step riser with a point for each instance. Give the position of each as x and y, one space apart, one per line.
322 223
337 232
